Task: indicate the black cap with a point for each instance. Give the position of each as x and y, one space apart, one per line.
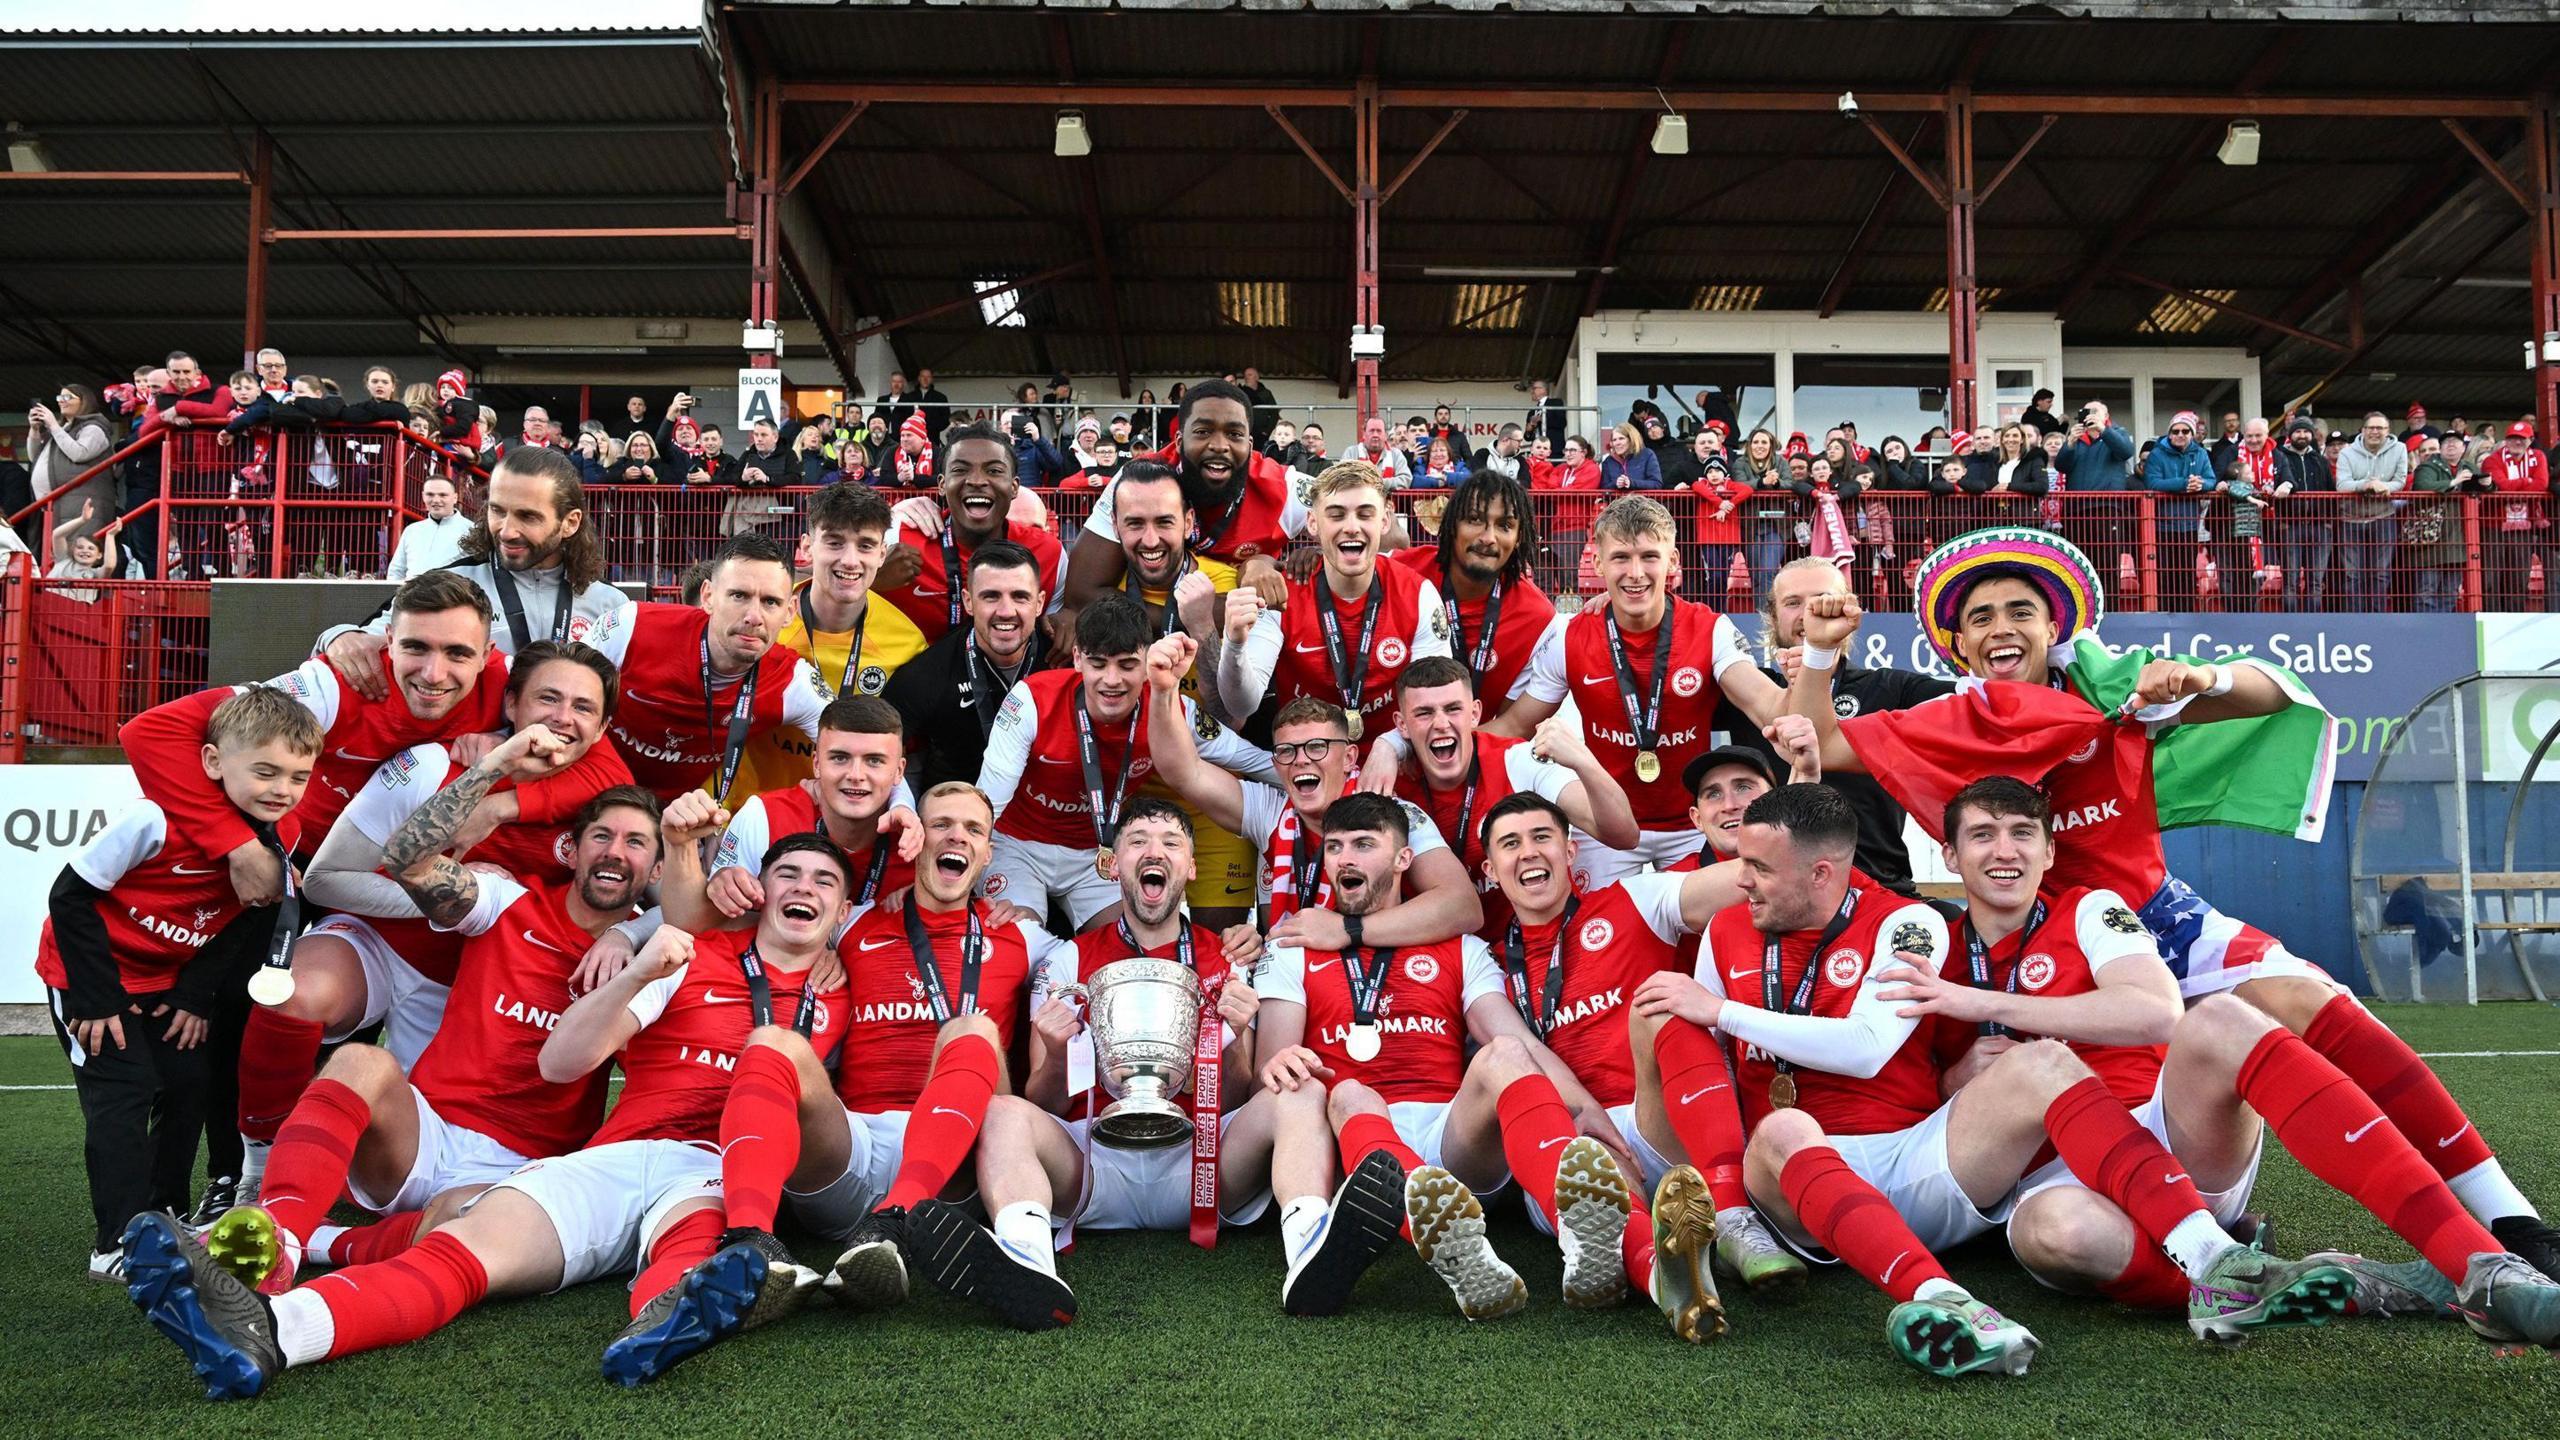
1727 755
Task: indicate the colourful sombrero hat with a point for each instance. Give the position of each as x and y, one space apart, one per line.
2040 557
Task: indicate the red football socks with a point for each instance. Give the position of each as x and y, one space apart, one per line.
2116 1157
307 1171
1851 1219
1697 1094
1362 1135
2151 1281
944 1123
1635 1248
680 1247
2387 1070
2339 1133
1536 1126
277 1055
377 1242
760 1136
402 1299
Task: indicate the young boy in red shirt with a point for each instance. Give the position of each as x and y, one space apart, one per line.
128 973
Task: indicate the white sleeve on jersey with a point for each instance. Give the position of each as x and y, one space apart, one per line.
1050 959
1283 975
1226 749
2108 929
398 787
1544 677
136 836
1099 520
496 891
1244 671
805 699
1430 623
316 687
1857 1044
1008 751
612 633
1483 973
1540 777
1262 807
743 844
651 1002
1728 647
1422 832
1294 513
1657 898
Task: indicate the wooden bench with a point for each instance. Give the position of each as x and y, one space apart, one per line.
2485 882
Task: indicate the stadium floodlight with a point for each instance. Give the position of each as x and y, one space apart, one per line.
2239 143
1073 138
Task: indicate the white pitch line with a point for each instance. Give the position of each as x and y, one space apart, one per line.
35 1087
2485 1054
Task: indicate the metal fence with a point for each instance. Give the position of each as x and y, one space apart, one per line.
86 655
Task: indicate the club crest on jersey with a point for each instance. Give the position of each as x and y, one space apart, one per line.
993 885
1391 651
580 627
2084 754
871 681
564 848
2121 920
1841 967
1421 969
1913 936
1686 681
1597 934
1581 878
1204 725
2036 971
205 917
916 987
1844 706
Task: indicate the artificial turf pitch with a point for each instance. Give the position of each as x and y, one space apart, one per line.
1177 1342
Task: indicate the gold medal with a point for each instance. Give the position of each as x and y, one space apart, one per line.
1782 1092
1362 1044
1353 721
272 985
1102 862
1648 766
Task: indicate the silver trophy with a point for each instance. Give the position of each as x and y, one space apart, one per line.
1144 1016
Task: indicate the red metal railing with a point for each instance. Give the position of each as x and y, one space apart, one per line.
86 655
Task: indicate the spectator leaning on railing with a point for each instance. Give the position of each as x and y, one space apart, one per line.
2372 471
2305 531
2431 541
1629 465
66 438
2518 517
2179 470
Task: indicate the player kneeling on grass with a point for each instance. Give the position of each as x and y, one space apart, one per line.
1042 1145
1367 1051
2227 1065
124 963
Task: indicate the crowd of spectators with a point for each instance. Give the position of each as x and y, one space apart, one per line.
2251 510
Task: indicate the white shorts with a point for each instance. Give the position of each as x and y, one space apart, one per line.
1650 1165
448 1155
1148 1189
1910 1167
1596 865
608 1203
1421 1124
876 1143
407 1005
2153 1115
1030 874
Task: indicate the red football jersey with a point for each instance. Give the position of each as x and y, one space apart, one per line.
1422 1012
1618 935
1899 1095
668 732
1526 613
1034 767
693 1022
536 854
888 1048
1291 642
1269 814
482 1070
1504 766
1574 659
165 901
1261 521
2085 929
789 811
927 598
1101 946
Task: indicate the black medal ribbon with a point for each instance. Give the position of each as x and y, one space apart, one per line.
1977 954
870 891
1172 618
760 994
852 647
1350 672
1467 804
984 697
1106 808
1366 985
951 581
741 712
288 907
1802 1002
1644 722
1538 1009
1480 653
973 949
1181 942
512 602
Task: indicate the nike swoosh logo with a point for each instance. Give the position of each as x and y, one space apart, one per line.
1329 964
1887 1277
364 759
1692 1097
1740 974
2357 1134
183 870
1310 649
954 1114
637 698
1600 680
2173 1179
1551 1144
713 997
2456 1135
867 946
545 944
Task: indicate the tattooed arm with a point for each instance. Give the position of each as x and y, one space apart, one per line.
414 855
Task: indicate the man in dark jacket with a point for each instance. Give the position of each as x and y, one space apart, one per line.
1546 417
2303 523
2039 416
1266 406
897 405
935 405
